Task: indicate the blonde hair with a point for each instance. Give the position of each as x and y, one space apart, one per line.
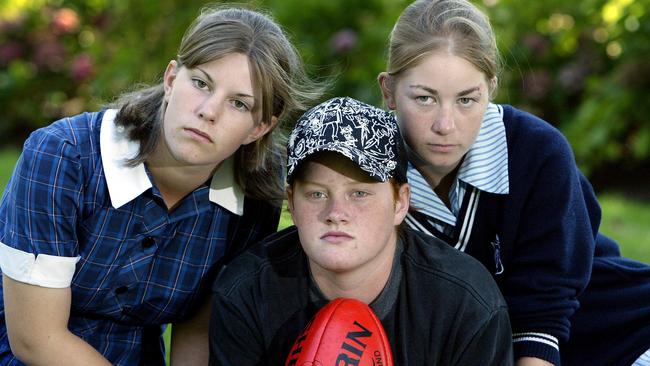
454 26
276 69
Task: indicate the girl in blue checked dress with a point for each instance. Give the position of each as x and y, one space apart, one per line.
502 185
115 222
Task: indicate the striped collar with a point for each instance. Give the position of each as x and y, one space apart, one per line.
125 183
485 167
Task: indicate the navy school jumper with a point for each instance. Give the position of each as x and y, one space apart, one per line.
558 274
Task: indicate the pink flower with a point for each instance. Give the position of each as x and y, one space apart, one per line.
537 84
343 41
572 77
10 51
537 44
49 54
65 21
82 67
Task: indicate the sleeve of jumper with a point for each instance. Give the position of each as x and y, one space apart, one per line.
553 245
38 212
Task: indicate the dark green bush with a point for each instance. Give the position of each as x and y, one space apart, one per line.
581 65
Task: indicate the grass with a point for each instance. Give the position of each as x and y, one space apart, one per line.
285 218
628 222
7 161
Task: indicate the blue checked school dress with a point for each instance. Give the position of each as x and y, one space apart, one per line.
73 215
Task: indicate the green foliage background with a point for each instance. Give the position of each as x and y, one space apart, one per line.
582 65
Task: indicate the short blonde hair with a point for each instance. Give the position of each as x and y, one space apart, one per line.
454 26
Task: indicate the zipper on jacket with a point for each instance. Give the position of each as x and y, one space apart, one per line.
496 244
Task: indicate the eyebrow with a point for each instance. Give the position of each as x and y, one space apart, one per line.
207 76
313 182
435 92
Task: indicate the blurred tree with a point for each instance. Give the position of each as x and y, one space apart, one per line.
346 39
59 57
583 66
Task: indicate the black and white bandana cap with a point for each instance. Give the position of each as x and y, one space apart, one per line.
367 135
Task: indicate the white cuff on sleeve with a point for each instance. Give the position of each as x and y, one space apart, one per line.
43 270
536 337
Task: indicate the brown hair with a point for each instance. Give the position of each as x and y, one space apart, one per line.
454 26
276 69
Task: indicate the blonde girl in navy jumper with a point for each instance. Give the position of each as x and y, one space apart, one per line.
502 185
114 223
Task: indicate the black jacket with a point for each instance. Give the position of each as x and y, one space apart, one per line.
440 306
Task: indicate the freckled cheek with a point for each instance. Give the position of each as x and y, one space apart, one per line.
415 128
419 118
304 215
363 211
474 124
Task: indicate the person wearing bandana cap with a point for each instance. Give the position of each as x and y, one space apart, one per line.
348 195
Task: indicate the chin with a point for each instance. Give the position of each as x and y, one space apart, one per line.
194 160
335 265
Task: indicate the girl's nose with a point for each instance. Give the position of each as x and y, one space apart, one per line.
443 121
209 109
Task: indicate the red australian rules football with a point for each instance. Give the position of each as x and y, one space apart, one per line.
343 332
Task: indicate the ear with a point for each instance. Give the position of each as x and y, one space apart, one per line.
260 130
402 203
386 84
170 75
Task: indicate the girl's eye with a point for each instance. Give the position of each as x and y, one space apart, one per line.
424 99
466 102
240 105
199 83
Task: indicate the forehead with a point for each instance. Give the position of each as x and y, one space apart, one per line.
225 63
328 164
234 69
444 66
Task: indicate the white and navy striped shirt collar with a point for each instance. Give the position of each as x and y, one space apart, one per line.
485 167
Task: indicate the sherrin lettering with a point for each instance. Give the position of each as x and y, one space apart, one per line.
344 332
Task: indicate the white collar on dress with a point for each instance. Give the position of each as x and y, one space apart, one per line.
126 183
